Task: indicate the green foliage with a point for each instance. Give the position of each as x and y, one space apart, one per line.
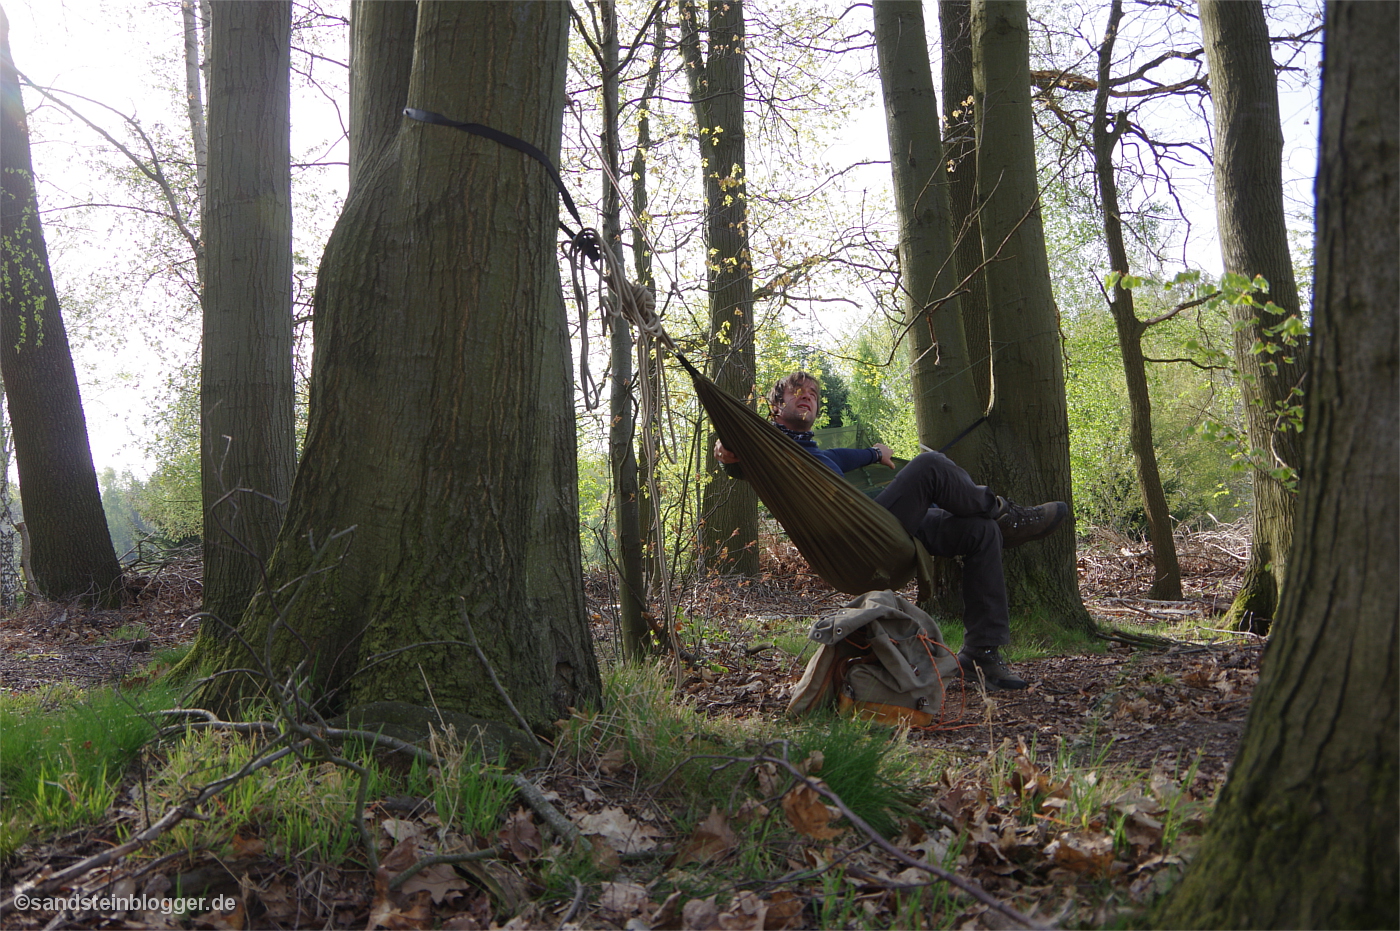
172 499
62 757
858 765
121 497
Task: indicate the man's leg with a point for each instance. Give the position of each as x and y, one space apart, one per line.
986 617
933 478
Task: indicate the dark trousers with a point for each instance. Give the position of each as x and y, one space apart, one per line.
937 502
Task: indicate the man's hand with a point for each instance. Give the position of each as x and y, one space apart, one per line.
886 455
724 456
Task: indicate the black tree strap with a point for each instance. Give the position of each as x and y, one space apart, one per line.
588 244
957 439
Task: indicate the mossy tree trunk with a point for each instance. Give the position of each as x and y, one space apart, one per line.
1026 443
72 552
1254 241
1304 835
945 395
247 423
441 439
1166 575
729 509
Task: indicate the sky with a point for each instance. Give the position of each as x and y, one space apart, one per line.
111 50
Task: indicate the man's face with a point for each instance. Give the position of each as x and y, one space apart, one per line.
800 403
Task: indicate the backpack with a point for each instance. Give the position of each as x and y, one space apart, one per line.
881 657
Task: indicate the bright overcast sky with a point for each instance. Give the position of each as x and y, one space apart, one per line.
110 50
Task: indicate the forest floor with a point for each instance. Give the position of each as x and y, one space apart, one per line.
1173 715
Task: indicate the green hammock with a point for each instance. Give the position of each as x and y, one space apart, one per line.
850 541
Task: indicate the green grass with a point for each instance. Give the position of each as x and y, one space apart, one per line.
61 755
860 766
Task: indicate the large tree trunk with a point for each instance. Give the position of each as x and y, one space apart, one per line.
247 438
1026 454
729 509
960 152
1254 241
945 396
1166 576
1305 832
379 75
71 550
627 528
441 439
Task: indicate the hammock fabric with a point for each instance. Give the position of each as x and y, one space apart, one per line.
849 540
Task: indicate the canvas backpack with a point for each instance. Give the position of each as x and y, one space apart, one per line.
880 657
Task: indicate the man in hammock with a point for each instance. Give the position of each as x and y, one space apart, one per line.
937 502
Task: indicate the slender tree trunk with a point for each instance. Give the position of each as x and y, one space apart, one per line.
945 395
194 100
960 153
378 77
72 551
1166 576
1027 443
1304 835
730 509
627 533
649 359
248 444
1254 241
441 439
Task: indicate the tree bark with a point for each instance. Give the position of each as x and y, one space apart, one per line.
627 528
1304 835
194 105
1166 575
729 509
378 77
72 551
960 153
945 396
1026 453
441 438
247 439
1254 241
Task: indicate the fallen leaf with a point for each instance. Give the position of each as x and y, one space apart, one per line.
612 761
440 881
248 846
625 899
700 915
713 839
625 834
235 920
808 814
1083 854
401 830
522 836
784 911
603 854
746 914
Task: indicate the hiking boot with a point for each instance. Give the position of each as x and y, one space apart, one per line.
1022 524
984 664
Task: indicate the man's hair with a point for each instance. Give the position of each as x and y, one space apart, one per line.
775 397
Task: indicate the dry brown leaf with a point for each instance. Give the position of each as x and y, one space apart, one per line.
625 834
247 846
235 920
401 830
808 814
440 881
750 810
700 915
713 839
612 761
603 854
522 836
746 914
784 911
1081 853
625 899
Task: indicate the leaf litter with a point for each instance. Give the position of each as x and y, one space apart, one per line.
1030 801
